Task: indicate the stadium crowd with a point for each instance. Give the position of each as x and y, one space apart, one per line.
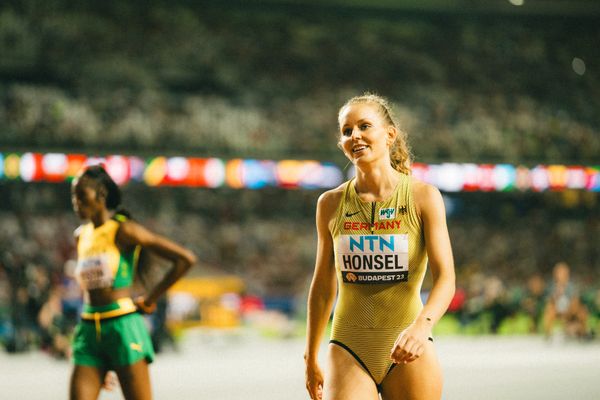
266 83
465 90
504 273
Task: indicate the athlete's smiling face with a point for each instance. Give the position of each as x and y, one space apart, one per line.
365 135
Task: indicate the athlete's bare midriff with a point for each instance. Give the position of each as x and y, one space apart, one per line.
104 296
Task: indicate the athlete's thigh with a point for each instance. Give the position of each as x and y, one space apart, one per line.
85 383
345 379
135 381
417 380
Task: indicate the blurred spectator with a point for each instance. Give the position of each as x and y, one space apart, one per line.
474 300
593 303
496 302
159 332
458 301
533 300
564 305
54 329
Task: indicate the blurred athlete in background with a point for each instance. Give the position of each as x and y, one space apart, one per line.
111 334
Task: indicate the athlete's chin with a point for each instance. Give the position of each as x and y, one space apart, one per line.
82 215
362 160
371 158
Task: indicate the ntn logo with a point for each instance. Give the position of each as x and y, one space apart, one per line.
358 243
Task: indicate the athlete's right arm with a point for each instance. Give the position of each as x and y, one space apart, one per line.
322 291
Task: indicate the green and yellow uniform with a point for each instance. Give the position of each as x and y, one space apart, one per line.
380 261
115 334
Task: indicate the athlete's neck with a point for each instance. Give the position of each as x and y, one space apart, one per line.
101 217
376 184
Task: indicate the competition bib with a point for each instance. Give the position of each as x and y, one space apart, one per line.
373 258
94 272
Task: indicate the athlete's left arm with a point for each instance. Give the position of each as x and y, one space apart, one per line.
131 234
430 206
439 252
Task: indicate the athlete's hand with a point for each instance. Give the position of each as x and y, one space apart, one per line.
314 380
143 307
411 343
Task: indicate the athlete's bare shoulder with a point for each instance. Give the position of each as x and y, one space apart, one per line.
422 188
425 195
332 197
77 231
329 201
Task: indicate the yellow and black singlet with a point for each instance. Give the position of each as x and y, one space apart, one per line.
100 264
380 261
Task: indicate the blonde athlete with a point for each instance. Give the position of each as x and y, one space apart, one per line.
111 334
375 235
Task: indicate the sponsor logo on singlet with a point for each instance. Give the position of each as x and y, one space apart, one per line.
387 213
94 272
373 258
